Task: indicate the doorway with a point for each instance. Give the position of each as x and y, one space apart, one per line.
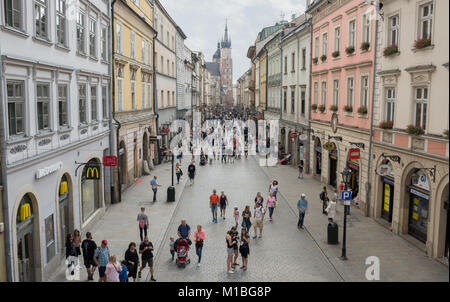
25 243
333 162
387 203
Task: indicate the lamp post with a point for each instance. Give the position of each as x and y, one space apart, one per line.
171 189
267 143
346 178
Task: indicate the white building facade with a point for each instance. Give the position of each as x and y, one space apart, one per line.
180 73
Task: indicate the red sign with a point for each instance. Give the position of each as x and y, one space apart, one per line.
110 161
354 154
293 134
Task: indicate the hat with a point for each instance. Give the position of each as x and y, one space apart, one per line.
236 207
303 195
104 242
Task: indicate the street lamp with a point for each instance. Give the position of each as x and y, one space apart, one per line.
346 179
171 189
267 143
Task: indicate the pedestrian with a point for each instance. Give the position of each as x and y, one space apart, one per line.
236 215
259 220
101 258
246 150
270 205
213 202
258 199
331 210
324 198
223 204
191 171
230 250
273 187
199 238
143 223
246 215
71 254
89 246
178 172
146 249
172 247
300 170
77 242
123 276
302 206
155 185
224 154
235 237
244 249
113 270
184 231
132 260
180 156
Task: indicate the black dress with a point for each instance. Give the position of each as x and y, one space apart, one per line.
244 249
132 256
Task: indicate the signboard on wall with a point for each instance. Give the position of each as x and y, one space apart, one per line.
354 154
329 146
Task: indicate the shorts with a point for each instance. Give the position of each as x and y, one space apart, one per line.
89 262
101 271
258 224
230 251
148 261
223 206
214 207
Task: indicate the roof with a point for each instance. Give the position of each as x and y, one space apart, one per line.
213 68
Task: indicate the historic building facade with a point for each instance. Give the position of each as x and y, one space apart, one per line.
55 123
223 57
180 73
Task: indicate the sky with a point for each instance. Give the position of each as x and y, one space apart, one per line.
203 22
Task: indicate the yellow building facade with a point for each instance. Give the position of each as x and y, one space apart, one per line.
133 53
263 80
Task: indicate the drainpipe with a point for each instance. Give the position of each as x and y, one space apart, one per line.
4 177
308 154
113 98
369 165
155 93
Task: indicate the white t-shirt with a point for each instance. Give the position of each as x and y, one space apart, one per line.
273 188
258 213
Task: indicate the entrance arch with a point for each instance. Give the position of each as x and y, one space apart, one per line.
317 157
443 217
91 190
65 207
333 159
123 164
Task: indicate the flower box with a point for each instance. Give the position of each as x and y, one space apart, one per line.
322 108
365 46
323 58
390 50
336 54
334 108
315 60
349 50
314 107
386 124
362 110
414 130
348 109
422 43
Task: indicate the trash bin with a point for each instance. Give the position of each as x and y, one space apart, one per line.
333 233
171 194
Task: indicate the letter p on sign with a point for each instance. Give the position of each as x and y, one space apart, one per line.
373 271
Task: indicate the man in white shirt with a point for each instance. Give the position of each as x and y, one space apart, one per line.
259 219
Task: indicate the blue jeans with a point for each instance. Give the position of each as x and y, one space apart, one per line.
198 251
154 194
301 217
271 212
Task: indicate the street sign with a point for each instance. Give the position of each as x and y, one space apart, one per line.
303 137
346 195
110 161
329 146
354 154
293 134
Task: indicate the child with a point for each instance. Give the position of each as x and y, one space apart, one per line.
123 276
236 215
172 247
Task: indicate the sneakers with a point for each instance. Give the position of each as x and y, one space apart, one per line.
230 272
198 264
254 237
260 235
139 275
153 279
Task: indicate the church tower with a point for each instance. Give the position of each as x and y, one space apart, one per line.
226 68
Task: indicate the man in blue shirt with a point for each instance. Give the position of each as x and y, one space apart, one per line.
184 231
302 206
155 185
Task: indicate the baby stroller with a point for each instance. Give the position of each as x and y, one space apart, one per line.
202 160
182 248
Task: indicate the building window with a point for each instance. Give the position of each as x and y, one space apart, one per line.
149 54
14 13
120 94
168 67
81 23
90 191
133 94
173 69
390 104
293 62
149 93
352 33
119 37
16 106
325 44
162 98
43 106
92 38
41 17
337 39
316 93
336 92
133 45
393 30
316 47
303 58
420 103
104 43
169 102
143 105
364 91
303 101
324 93
293 101
366 28
105 110
61 22
173 98
426 19
162 65
94 115
285 65
62 105
143 50
82 102
350 91
285 101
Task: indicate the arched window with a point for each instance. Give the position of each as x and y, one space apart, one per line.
90 189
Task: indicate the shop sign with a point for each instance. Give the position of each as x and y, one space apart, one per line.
303 137
329 146
293 134
384 170
419 179
48 170
110 161
93 172
419 194
354 154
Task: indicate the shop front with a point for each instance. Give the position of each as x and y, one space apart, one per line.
333 166
353 164
387 176
91 189
317 157
419 202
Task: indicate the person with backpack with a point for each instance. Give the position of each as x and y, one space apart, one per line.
259 220
191 171
89 246
324 198
143 223
101 258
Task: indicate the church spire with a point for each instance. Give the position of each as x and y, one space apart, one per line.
226 30
226 41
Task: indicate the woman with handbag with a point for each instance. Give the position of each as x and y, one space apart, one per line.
246 215
271 203
113 269
199 238
132 261
244 249
178 172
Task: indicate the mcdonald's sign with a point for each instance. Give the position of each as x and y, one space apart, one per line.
92 172
25 211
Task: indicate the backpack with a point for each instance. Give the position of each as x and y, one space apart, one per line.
142 223
321 196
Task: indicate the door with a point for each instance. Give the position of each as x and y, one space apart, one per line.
25 254
418 218
333 170
64 220
388 201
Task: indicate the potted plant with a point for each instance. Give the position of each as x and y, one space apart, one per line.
362 110
335 54
365 46
386 124
414 130
349 50
314 107
422 43
323 58
348 108
322 108
315 60
334 108
390 50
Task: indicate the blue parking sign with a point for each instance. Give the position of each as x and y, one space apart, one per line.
346 195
